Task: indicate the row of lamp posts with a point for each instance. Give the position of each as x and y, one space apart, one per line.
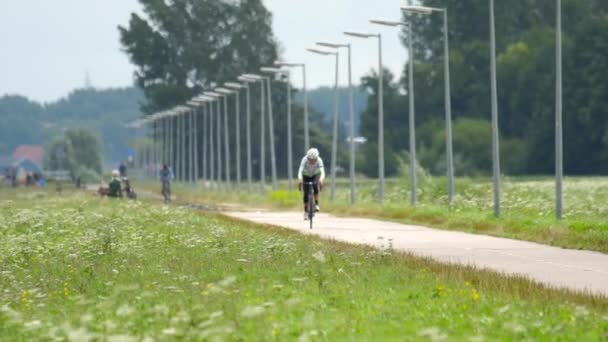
172 146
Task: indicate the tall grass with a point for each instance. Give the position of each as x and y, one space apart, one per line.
78 268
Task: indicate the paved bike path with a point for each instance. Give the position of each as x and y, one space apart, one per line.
556 267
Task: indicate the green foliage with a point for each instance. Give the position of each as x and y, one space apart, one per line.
78 151
525 32
183 47
103 112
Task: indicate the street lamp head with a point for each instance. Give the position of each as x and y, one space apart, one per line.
272 70
246 79
192 103
224 91
212 94
332 45
359 34
203 98
390 23
321 52
285 64
235 86
255 77
420 9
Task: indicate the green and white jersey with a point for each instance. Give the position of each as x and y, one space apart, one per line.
309 170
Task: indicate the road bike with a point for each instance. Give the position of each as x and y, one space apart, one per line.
310 203
166 191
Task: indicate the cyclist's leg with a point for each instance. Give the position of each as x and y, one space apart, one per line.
305 180
316 190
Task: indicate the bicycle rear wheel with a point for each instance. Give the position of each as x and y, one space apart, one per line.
311 209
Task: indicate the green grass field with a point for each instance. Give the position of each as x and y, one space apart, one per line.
76 267
527 206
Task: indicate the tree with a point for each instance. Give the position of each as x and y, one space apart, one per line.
78 152
186 46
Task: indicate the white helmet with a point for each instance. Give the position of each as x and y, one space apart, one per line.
312 154
115 173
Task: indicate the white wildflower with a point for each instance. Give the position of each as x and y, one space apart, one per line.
319 256
252 311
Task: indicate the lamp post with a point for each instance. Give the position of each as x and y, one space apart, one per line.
494 95
225 93
204 102
191 137
334 145
273 159
305 91
246 82
351 117
237 87
258 78
447 92
412 106
279 72
559 154
218 141
380 109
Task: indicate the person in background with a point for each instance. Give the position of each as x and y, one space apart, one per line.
122 169
166 176
115 186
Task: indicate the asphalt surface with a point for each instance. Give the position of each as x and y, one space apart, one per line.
581 271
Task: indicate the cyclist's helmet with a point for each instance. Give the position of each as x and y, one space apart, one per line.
312 154
115 173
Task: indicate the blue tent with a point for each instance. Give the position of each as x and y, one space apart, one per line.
27 165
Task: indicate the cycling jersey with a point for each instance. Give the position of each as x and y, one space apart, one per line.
309 170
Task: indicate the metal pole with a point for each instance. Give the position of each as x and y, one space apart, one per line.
171 142
448 111
559 167
219 142
273 159
495 142
412 117
166 131
263 135
289 137
238 139
334 143
156 146
306 123
195 142
212 177
192 135
351 106
380 120
184 153
204 140
248 119
226 144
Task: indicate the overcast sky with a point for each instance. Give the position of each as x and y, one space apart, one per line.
49 46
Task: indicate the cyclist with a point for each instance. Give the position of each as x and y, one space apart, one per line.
166 176
115 189
311 171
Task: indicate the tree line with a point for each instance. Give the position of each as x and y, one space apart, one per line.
182 48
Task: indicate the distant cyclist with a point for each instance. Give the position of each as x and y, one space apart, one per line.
115 189
311 171
166 176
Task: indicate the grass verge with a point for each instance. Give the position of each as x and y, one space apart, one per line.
77 267
527 207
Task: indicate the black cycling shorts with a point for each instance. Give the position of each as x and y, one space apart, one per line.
315 186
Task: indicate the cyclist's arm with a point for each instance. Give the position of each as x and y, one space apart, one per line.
322 169
301 169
